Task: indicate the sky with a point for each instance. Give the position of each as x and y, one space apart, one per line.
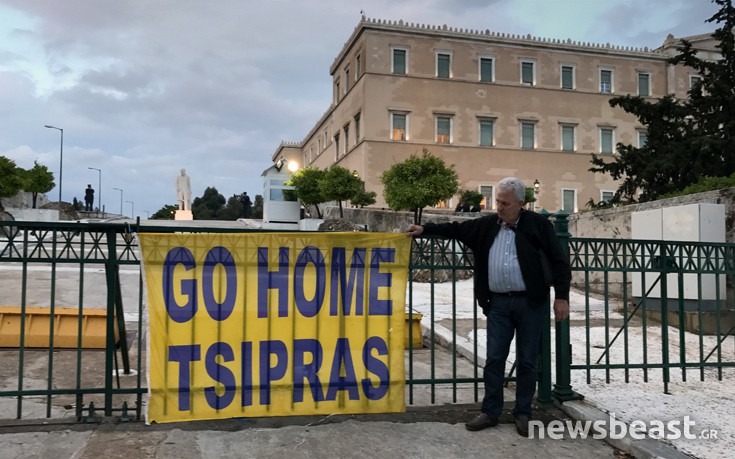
144 88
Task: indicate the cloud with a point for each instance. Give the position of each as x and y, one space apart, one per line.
145 88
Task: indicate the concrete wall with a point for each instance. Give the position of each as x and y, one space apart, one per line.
616 224
34 215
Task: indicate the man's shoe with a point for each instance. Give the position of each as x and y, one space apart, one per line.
483 421
522 421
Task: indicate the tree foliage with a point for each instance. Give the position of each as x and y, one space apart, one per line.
472 198
38 179
167 212
418 182
209 206
686 139
11 178
340 184
306 184
364 198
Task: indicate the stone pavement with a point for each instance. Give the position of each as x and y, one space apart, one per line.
423 431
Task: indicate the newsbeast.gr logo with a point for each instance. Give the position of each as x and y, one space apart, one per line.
613 429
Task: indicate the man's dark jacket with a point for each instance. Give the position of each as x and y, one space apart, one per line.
534 232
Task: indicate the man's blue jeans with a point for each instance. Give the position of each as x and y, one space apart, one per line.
508 315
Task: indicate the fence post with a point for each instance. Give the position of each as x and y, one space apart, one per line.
544 376
562 391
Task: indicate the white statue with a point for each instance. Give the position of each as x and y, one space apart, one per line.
183 191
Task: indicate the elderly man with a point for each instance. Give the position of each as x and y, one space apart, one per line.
517 256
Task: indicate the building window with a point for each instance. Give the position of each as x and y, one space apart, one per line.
606 81
358 66
443 129
528 72
347 78
311 154
644 84
694 80
567 137
326 137
357 128
569 201
443 65
486 133
487 69
528 135
399 125
567 77
318 145
606 140
347 137
336 146
642 139
398 63
488 202
336 90
606 195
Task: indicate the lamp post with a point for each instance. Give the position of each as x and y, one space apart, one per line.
121 196
132 209
99 187
536 188
147 215
61 155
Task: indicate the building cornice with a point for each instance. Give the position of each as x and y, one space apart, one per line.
490 37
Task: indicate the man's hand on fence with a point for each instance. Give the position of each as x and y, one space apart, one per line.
561 309
414 230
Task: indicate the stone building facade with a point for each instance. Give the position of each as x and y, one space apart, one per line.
493 105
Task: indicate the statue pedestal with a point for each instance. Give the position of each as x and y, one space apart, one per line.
183 215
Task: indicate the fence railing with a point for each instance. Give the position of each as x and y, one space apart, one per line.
96 266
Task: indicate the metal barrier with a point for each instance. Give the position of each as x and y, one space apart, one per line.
669 288
58 265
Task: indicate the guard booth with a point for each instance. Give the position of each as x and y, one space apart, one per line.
281 209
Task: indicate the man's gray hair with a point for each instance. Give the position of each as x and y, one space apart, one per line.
513 185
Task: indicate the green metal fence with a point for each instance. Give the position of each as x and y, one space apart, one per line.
80 265
676 292
96 265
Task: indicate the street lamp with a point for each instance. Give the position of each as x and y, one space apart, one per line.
121 196
536 189
132 209
61 154
99 186
147 215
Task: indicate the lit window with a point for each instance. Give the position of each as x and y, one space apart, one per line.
487 196
443 129
398 122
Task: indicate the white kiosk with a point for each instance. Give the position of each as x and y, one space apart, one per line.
280 211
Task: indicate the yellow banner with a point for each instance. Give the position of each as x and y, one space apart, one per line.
274 324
